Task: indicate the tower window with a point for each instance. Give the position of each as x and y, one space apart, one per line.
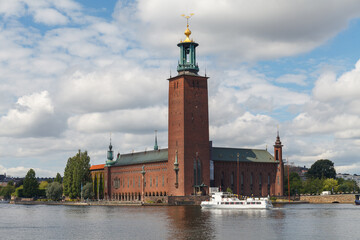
277 154
187 53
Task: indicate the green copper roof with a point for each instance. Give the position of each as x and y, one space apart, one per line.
218 154
245 155
142 157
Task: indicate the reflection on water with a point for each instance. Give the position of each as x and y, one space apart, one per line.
181 222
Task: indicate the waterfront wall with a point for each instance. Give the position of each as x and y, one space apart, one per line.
338 198
187 200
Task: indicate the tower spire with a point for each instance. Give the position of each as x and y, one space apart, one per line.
277 142
187 62
156 147
187 31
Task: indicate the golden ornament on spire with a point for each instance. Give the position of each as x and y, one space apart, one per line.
187 31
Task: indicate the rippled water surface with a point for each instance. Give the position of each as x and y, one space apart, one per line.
306 221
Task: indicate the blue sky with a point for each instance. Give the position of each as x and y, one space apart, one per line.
71 72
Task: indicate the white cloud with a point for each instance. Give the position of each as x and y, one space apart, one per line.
33 115
135 120
333 108
22 171
49 16
293 78
11 8
246 130
241 30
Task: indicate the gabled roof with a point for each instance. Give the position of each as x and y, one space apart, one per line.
97 167
142 157
245 155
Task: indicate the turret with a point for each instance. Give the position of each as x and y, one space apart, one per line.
187 61
156 147
279 181
110 156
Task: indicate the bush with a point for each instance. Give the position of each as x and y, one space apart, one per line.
87 191
19 191
54 191
41 193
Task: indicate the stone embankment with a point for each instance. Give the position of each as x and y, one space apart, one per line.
336 198
149 201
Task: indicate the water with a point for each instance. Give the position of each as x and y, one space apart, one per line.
306 221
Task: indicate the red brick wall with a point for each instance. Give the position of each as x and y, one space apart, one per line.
188 131
130 181
225 169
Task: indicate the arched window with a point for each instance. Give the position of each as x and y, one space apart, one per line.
251 183
242 183
222 179
232 180
260 184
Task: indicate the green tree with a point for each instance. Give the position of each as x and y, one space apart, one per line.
295 184
347 185
7 190
95 187
77 173
87 191
313 185
54 191
229 190
330 184
322 168
19 191
101 188
58 178
43 185
30 184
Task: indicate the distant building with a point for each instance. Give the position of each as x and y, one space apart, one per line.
299 170
347 176
191 164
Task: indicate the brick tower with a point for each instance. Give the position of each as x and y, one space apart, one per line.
279 181
188 126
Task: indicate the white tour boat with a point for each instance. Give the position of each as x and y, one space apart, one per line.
224 200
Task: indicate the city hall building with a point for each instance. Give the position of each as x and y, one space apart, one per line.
190 164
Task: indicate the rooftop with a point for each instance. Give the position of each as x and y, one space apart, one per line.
245 155
142 157
97 167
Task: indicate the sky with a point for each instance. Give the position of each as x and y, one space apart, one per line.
72 73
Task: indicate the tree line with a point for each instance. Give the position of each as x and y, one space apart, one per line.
75 184
320 177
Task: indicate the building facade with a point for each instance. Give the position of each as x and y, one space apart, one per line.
191 164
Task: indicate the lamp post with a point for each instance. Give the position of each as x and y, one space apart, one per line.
238 174
143 182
